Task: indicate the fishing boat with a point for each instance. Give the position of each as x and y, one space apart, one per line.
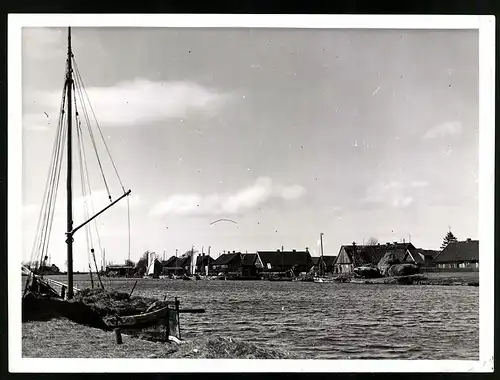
321 278
192 275
139 320
75 113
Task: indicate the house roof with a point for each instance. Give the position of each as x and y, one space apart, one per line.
362 254
173 262
226 258
169 262
329 260
428 252
285 258
204 260
460 251
371 254
248 258
315 260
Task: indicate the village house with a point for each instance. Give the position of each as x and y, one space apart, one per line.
119 270
422 257
323 263
249 265
283 261
176 265
328 262
227 263
202 262
461 254
353 256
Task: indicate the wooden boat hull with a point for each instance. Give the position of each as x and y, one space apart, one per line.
139 320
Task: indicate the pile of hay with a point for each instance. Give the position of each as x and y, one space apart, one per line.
367 271
218 347
109 303
35 308
402 270
405 280
390 265
386 262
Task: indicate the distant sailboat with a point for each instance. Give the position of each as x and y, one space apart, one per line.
192 268
151 264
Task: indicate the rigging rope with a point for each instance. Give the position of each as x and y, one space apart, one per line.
77 71
47 210
84 183
85 113
44 225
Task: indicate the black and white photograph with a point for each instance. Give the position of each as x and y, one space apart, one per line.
261 191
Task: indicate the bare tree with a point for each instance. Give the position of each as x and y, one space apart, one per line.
372 241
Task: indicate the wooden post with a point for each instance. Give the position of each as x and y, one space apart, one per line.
130 295
118 336
63 292
167 327
177 315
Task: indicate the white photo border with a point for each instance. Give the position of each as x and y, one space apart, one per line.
486 27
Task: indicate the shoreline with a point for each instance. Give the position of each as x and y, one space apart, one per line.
62 338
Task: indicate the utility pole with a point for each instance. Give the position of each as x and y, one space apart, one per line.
176 262
322 262
202 259
208 260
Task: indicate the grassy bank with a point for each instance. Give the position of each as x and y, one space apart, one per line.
61 338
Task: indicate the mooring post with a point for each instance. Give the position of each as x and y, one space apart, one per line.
167 325
177 315
118 336
63 291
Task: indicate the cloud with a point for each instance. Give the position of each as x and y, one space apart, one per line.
44 43
95 203
292 192
419 184
453 128
228 203
130 103
388 194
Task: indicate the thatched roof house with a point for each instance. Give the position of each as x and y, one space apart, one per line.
353 256
461 254
282 261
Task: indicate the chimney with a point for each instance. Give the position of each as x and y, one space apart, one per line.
404 241
294 250
468 240
307 249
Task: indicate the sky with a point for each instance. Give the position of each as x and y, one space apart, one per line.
290 133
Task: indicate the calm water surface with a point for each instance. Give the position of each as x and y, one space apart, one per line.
329 320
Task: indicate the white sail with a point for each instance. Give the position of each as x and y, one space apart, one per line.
194 258
151 263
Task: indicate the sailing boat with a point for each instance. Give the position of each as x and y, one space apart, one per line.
74 114
151 265
321 277
192 268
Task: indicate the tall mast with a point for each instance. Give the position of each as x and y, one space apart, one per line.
69 228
